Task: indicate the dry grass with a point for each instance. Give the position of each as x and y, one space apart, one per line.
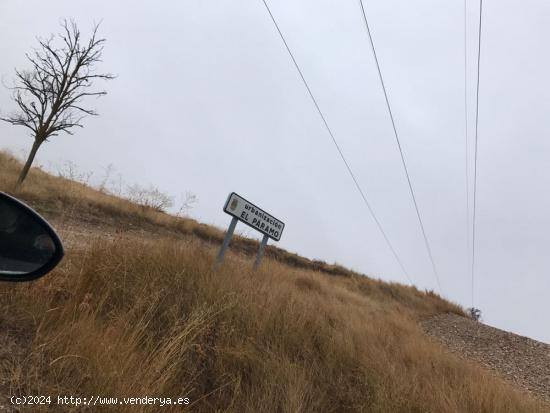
138 318
135 317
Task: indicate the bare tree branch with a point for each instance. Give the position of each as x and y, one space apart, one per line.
50 96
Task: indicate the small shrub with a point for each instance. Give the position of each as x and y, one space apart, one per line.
474 313
150 197
188 200
69 170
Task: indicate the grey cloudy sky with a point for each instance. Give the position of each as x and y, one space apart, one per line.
208 101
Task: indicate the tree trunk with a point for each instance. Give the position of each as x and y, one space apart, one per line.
28 164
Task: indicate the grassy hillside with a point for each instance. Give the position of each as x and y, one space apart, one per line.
143 313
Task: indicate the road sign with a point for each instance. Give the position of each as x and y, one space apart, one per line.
242 210
253 216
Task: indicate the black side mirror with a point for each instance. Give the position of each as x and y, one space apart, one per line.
29 247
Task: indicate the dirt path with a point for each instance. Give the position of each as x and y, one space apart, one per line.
520 360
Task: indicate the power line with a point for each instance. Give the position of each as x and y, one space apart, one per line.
475 151
348 167
426 242
466 140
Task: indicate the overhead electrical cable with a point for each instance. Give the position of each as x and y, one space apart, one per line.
327 127
466 140
426 242
475 153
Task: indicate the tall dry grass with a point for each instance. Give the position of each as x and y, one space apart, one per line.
132 317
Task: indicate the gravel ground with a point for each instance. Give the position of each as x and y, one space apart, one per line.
519 360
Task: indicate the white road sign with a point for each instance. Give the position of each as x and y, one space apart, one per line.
253 216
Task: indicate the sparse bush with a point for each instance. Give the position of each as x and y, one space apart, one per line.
150 197
187 202
104 184
70 170
112 182
474 313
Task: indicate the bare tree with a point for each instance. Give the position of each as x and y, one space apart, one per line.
49 95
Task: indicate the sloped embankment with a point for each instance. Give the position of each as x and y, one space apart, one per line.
520 360
135 309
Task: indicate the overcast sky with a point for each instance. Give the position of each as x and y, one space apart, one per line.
207 100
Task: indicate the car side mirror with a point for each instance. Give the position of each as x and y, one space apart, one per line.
29 247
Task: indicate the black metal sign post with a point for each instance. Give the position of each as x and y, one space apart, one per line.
242 210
